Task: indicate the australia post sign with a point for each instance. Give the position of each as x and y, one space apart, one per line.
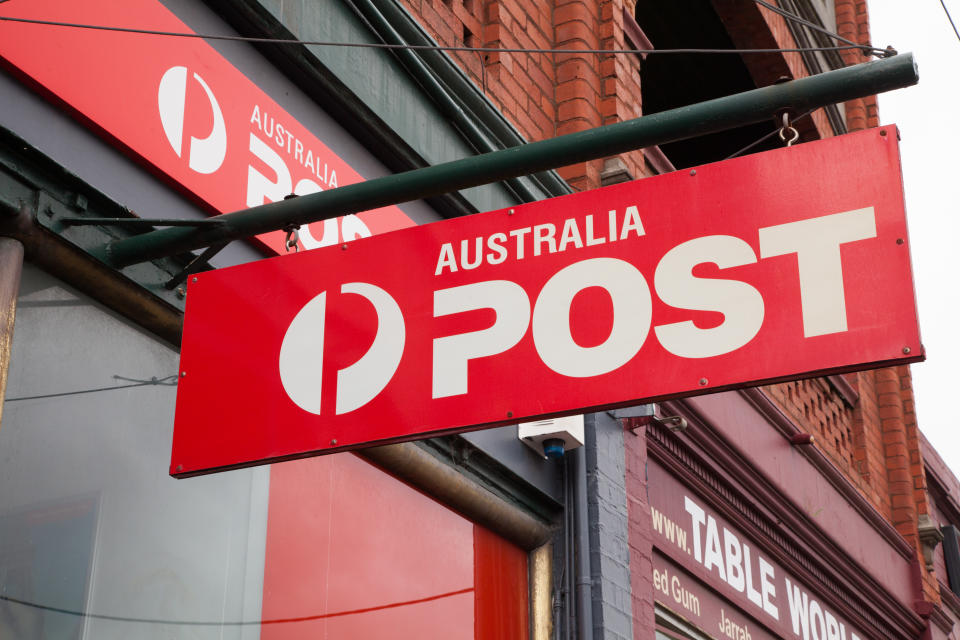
181 108
762 268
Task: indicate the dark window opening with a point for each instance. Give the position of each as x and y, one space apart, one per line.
672 80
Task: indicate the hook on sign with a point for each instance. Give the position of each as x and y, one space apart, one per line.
788 134
293 237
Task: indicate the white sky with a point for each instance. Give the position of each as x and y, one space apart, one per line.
925 114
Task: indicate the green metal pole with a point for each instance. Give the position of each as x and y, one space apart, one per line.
660 128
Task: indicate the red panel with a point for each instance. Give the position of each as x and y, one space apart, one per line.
114 81
501 601
247 398
354 553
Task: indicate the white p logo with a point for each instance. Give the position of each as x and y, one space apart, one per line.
301 353
206 154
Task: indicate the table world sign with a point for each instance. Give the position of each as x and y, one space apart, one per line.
774 266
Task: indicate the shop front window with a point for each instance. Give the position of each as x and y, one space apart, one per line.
98 541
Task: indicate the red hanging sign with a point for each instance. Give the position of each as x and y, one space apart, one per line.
769 267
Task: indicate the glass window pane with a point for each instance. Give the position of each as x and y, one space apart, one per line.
97 541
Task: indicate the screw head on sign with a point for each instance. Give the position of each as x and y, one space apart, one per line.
333 442
703 382
883 132
693 172
899 240
509 414
510 213
193 279
906 350
344 247
179 467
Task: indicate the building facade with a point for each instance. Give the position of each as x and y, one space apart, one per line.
810 509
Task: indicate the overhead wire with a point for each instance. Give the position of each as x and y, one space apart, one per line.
229 623
950 18
766 137
169 381
424 47
866 48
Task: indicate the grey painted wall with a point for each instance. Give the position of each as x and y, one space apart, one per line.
505 447
609 528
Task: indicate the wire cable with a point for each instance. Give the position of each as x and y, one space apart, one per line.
950 18
880 53
169 381
423 47
228 623
766 137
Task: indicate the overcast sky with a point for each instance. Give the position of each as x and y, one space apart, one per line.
929 128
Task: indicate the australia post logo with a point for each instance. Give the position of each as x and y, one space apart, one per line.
754 270
280 160
203 155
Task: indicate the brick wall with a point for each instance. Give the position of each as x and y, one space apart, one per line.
853 24
874 441
546 94
822 411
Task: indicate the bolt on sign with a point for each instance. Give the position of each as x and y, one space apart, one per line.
769 267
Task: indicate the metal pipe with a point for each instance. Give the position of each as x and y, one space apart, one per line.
414 465
11 266
581 546
667 126
76 267
71 221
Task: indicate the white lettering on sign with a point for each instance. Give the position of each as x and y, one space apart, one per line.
724 554
452 353
740 303
269 139
671 585
731 560
810 620
816 241
632 311
538 240
284 140
731 629
817 244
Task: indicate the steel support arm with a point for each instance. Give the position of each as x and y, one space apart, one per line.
667 126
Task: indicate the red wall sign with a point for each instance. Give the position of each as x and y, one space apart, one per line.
710 557
761 268
179 105
696 603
